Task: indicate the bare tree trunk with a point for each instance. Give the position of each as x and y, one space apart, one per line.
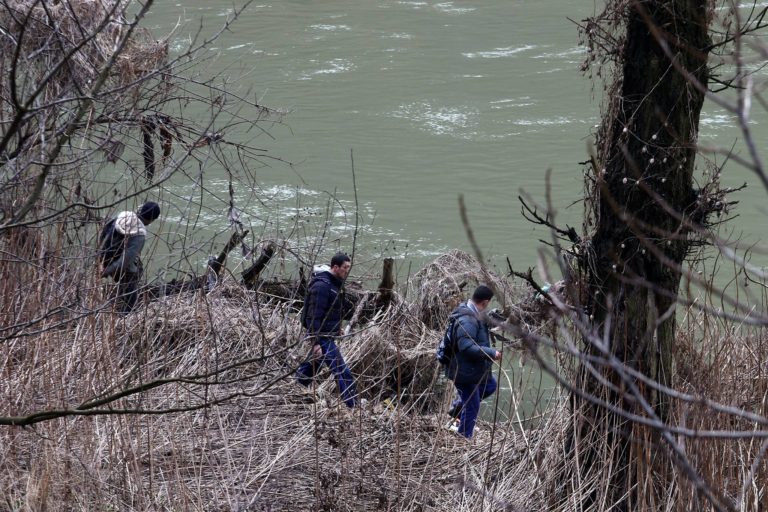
251 274
644 170
387 283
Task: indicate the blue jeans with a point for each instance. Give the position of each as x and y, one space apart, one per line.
333 359
470 395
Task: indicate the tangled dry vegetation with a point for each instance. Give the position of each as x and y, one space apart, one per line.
724 364
49 30
266 443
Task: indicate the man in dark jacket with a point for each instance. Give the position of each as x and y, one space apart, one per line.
473 356
120 244
326 307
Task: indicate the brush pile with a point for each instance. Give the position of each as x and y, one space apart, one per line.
199 411
189 404
49 29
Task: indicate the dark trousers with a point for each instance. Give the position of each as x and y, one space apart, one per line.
128 291
333 359
470 395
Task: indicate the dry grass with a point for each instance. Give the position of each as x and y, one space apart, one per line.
266 443
270 444
48 30
726 364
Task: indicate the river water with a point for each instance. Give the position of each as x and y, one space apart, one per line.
433 99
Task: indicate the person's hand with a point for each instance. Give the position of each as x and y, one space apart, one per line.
317 351
497 357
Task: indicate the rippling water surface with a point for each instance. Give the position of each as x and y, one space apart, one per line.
435 99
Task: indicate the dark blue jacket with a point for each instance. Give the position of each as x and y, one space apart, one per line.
326 305
472 352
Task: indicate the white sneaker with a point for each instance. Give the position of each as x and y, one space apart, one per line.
453 426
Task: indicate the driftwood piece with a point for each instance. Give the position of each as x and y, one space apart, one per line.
367 303
370 303
280 290
251 274
387 284
217 264
147 130
175 286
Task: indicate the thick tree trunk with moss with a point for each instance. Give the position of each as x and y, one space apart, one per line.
645 161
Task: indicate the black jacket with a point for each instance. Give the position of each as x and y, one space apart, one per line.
326 305
472 352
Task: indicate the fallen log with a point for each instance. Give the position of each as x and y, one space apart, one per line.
367 303
251 274
215 266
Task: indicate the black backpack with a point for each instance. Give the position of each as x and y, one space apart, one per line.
446 348
305 309
111 244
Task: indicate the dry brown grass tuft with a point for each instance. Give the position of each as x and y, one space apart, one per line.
48 30
726 364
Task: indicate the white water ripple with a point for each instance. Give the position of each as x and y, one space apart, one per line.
575 51
498 53
438 120
552 121
330 67
523 101
717 120
329 28
400 35
414 5
449 8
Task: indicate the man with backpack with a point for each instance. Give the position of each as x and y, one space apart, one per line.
325 307
120 244
469 357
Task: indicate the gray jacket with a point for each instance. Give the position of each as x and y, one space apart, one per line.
120 245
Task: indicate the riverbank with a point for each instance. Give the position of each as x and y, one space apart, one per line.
189 404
